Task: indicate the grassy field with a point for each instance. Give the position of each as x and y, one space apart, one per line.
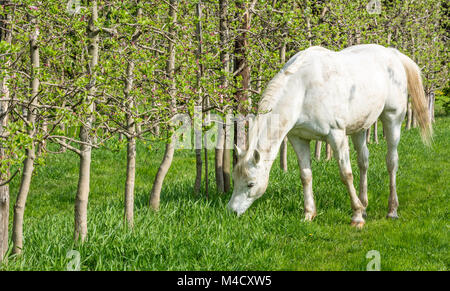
190 233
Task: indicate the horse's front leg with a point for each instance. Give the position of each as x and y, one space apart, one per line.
301 148
339 142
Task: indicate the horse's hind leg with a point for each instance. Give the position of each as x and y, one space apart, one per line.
392 128
339 142
359 141
302 150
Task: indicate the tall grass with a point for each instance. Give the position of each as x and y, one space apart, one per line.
191 233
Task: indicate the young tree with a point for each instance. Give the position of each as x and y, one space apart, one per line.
283 148
198 126
5 39
82 196
170 145
241 72
131 133
223 154
28 167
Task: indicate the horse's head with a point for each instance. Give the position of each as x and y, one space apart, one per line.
250 178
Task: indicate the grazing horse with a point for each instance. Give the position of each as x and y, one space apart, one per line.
325 95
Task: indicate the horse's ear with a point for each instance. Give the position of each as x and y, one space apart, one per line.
239 152
256 157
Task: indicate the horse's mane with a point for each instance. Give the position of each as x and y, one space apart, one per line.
269 96
269 99
291 67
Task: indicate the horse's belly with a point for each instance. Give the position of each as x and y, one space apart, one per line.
363 99
311 129
361 117
306 133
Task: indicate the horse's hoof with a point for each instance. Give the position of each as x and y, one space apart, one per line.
358 224
364 214
310 216
392 216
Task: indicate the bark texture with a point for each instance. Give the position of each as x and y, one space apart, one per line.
4 220
28 167
318 149
409 115
131 148
227 160
218 159
225 58
170 146
241 69
5 35
375 132
160 175
283 148
329 151
199 125
82 197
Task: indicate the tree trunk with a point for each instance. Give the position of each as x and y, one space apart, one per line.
198 167
226 159
62 126
283 155
414 121
198 150
28 167
131 148
222 170
329 151
241 69
318 149
42 144
205 100
199 125
375 132
283 148
206 169
5 36
161 174
129 184
368 132
218 159
132 128
4 220
431 105
409 116
81 200
170 146
308 30
238 137
19 207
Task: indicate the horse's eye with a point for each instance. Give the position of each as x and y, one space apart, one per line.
250 185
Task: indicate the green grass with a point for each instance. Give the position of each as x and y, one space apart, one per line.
190 233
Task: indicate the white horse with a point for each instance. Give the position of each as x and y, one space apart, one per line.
324 95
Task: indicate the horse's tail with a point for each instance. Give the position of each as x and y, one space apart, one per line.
418 100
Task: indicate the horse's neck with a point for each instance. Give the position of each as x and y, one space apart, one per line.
268 133
278 116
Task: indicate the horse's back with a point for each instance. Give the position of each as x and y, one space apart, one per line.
351 88
391 73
